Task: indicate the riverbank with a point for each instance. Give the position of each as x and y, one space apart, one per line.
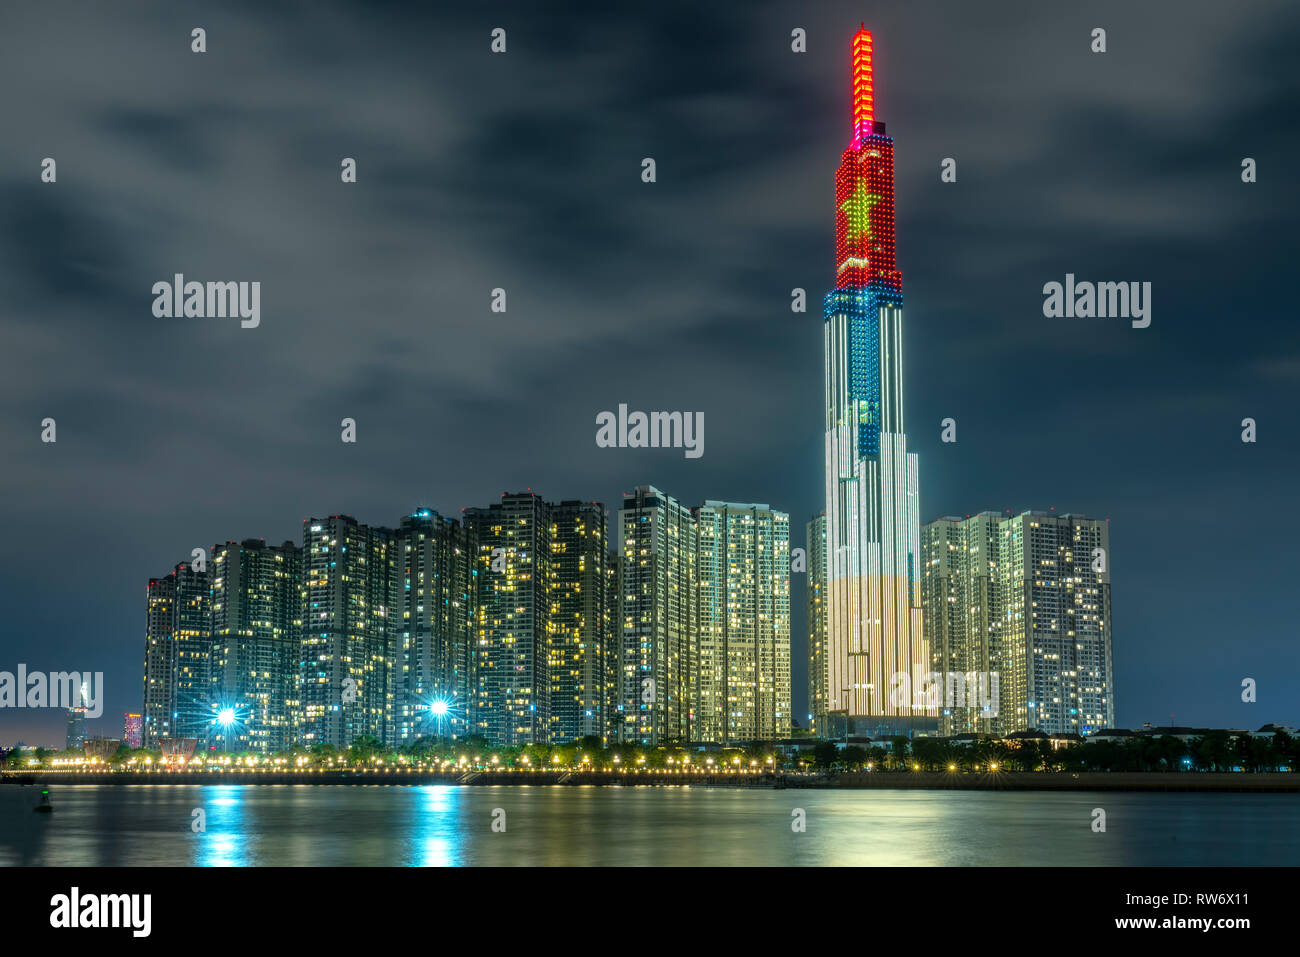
1265 783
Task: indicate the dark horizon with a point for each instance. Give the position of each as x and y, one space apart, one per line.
522 171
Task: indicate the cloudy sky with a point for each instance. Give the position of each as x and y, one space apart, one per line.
522 171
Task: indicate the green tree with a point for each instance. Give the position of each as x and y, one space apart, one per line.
825 754
900 751
855 756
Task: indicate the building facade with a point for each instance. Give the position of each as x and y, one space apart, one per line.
192 634
256 642
1056 657
350 633
579 621
75 736
159 661
818 701
1019 606
512 652
133 730
742 676
962 604
436 617
178 655
659 633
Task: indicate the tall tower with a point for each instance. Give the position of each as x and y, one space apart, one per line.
873 595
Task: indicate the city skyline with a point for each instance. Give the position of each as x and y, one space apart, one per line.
175 434
525 622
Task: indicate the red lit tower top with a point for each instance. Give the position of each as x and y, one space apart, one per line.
864 188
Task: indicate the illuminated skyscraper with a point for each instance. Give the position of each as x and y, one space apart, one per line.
256 633
192 633
1026 598
873 595
960 591
1054 631
742 677
817 674
658 597
133 730
159 661
512 673
76 733
436 571
579 621
351 632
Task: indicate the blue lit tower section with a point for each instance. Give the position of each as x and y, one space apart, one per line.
873 590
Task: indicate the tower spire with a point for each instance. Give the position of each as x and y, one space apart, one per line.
864 99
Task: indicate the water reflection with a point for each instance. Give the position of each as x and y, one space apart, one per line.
437 828
222 843
446 825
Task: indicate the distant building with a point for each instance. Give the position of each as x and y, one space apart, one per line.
76 735
133 730
101 748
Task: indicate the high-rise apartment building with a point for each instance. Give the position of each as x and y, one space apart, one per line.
1017 611
579 621
873 579
1055 632
192 634
76 729
351 632
818 700
133 730
658 595
512 626
159 661
960 595
256 641
178 655
437 593
742 674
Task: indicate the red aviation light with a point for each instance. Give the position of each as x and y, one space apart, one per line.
864 94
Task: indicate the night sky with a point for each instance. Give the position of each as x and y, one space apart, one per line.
522 171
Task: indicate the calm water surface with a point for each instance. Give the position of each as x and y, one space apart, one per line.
448 825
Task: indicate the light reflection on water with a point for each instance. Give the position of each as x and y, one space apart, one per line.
446 825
